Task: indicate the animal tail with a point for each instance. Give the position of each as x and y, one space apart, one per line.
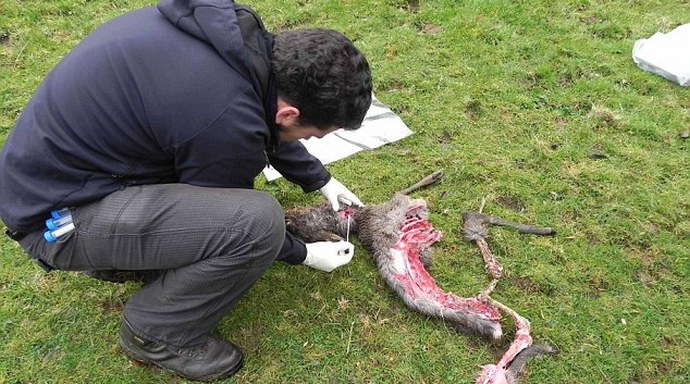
518 364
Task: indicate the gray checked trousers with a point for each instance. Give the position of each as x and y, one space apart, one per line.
211 245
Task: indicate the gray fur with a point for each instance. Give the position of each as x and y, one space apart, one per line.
518 364
378 228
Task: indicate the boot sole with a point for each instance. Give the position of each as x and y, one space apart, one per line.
140 359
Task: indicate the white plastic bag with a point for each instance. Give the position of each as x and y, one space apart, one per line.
666 54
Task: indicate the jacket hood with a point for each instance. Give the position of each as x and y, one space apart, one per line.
238 35
212 21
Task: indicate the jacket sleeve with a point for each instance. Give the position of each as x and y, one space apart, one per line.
297 165
294 251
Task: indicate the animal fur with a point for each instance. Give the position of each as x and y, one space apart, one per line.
398 235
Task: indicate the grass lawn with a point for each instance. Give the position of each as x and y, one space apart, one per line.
534 108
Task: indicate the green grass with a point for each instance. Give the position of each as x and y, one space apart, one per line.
533 107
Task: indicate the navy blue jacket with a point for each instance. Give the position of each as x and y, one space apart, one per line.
180 93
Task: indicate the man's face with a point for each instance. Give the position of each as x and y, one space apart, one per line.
296 132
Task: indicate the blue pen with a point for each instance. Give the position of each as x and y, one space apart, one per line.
57 213
55 223
53 236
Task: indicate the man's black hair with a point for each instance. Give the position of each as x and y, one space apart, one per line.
322 73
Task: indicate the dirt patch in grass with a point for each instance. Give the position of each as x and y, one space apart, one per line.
529 286
511 203
112 305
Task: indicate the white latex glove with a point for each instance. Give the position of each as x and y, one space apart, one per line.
335 193
327 256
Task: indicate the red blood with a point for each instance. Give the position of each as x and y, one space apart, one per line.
416 235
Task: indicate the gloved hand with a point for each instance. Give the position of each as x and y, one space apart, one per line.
327 255
335 193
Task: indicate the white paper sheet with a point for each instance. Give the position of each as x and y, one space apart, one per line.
666 54
380 126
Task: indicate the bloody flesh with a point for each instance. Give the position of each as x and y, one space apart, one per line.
415 235
399 235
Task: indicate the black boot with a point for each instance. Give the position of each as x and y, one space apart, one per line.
213 359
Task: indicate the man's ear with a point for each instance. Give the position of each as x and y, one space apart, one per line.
286 115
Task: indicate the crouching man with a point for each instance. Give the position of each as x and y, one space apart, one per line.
150 133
